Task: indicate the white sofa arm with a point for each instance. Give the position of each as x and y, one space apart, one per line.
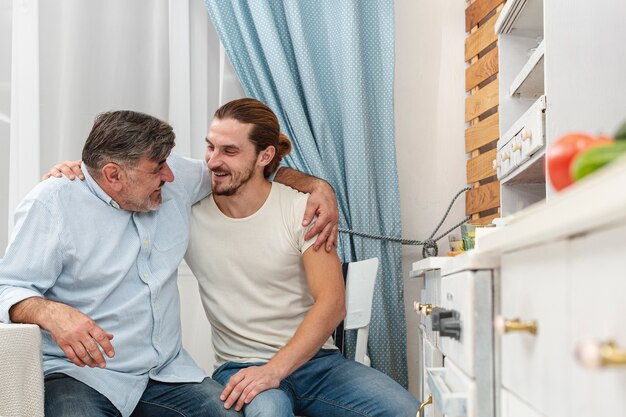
21 371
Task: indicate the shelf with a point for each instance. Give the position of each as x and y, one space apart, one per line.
428 264
530 172
529 82
521 18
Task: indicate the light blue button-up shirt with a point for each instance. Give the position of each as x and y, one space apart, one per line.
70 244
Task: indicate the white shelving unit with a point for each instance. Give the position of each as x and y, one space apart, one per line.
562 67
521 148
529 82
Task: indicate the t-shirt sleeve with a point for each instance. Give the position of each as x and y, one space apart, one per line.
301 231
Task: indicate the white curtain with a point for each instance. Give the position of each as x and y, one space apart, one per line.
73 59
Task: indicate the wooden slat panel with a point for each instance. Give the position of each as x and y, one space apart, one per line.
486 219
481 39
485 99
477 11
481 167
482 69
482 198
482 133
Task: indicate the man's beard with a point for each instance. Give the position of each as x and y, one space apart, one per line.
139 204
237 180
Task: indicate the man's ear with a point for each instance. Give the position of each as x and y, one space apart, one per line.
266 156
113 175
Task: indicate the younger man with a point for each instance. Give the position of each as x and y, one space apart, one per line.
272 300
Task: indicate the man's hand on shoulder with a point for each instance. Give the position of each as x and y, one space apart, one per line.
78 336
323 204
71 170
247 384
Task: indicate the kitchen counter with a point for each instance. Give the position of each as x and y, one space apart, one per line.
595 203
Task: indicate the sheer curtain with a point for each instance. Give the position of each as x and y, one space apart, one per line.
326 68
73 59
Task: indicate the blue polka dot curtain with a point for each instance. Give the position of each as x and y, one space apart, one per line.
326 68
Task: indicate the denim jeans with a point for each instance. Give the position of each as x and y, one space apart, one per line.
328 385
68 397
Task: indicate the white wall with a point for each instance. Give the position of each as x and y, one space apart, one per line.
429 116
5 114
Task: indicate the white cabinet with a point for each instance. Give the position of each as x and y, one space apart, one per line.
567 58
522 105
535 290
512 406
562 288
456 309
598 288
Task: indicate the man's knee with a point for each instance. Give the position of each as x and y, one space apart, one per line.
271 403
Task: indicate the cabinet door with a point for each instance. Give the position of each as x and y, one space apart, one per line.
430 295
514 407
432 358
535 287
469 293
599 313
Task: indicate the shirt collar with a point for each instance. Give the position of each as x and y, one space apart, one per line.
95 188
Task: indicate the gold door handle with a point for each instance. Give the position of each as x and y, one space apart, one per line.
424 404
594 354
503 325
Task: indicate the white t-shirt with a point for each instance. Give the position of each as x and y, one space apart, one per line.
251 276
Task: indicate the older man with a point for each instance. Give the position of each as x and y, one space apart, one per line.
94 263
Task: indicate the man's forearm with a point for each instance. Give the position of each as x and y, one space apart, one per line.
32 310
300 181
78 336
310 336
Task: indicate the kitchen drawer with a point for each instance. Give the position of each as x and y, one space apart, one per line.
469 293
514 407
598 290
454 393
535 285
522 140
430 295
431 358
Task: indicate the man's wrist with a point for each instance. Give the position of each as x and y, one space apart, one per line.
29 310
322 186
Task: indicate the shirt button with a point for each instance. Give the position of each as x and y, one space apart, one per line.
145 276
146 241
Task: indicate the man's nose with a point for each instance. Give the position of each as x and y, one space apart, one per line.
166 173
213 160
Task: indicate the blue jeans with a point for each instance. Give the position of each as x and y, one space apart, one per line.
328 385
68 397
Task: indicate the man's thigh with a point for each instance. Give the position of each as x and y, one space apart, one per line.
68 397
330 385
201 399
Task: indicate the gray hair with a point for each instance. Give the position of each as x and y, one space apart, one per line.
124 137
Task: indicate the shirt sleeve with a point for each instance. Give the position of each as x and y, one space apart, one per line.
34 258
301 231
192 175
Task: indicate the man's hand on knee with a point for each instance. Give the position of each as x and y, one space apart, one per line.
247 384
